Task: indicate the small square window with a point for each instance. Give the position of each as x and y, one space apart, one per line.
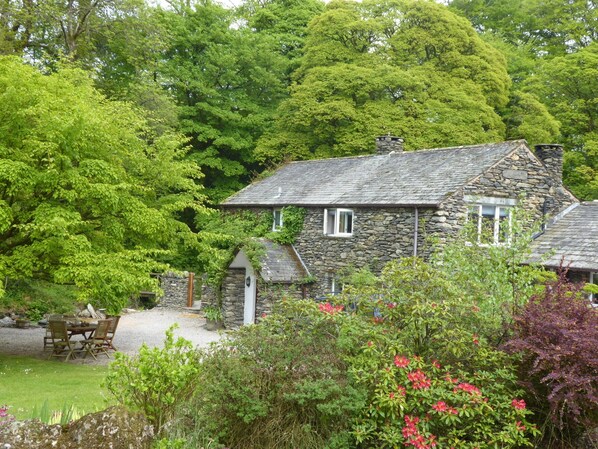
277 220
338 222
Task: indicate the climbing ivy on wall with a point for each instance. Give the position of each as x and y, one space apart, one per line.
292 219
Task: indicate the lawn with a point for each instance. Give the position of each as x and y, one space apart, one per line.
26 383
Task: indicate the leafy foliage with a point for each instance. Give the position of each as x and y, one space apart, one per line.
86 188
411 68
557 336
36 298
282 383
155 380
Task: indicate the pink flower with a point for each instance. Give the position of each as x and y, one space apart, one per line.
401 361
391 305
519 404
370 343
401 390
391 395
436 364
475 340
520 426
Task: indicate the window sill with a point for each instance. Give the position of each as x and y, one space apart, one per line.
342 236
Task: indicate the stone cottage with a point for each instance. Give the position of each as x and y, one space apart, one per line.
571 238
367 210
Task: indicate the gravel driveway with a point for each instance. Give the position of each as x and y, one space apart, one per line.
134 329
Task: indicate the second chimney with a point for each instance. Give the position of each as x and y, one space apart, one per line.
551 156
389 144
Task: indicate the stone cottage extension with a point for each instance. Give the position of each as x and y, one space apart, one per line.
571 238
367 210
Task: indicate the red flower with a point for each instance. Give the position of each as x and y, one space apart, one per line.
391 395
519 404
475 339
419 380
401 361
329 308
440 406
468 388
401 390
436 364
391 305
520 426
370 343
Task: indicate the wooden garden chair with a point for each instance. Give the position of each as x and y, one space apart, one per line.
48 336
62 346
97 343
111 331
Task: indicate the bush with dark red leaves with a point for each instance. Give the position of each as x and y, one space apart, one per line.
557 335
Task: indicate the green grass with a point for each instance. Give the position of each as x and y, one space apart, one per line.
26 383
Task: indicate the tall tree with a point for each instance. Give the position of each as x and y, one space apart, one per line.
88 194
227 81
411 68
569 86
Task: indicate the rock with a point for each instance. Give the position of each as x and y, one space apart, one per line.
115 428
85 314
30 434
6 322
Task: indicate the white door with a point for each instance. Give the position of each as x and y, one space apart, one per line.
250 290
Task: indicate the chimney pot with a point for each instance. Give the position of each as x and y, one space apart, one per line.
551 155
389 144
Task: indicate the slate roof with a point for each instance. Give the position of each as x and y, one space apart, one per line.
574 235
423 177
281 263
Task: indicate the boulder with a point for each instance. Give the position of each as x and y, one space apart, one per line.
29 434
114 428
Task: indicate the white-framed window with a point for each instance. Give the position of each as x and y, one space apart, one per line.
491 222
336 286
338 222
276 219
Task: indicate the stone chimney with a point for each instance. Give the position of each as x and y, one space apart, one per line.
551 156
388 144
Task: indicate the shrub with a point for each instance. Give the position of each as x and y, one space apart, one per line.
155 380
557 337
281 383
38 298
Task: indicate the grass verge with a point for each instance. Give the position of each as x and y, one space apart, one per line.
26 383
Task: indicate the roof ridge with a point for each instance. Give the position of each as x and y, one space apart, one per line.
422 150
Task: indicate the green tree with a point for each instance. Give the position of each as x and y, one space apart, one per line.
284 21
227 81
410 68
89 195
545 27
568 85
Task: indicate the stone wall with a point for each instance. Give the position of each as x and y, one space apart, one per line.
233 297
384 234
518 176
269 294
175 289
379 235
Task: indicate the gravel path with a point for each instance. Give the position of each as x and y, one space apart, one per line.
134 329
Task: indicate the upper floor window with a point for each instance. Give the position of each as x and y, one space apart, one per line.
492 223
277 219
338 222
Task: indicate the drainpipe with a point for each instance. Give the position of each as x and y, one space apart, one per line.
415 232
